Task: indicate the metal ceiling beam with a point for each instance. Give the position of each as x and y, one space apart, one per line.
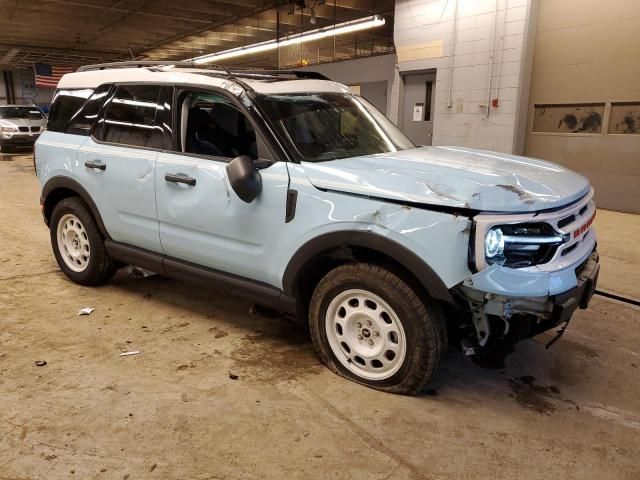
9 56
47 48
214 8
43 8
211 26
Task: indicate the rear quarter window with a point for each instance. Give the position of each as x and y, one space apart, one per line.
65 104
82 122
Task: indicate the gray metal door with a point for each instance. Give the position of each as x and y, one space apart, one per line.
417 107
376 93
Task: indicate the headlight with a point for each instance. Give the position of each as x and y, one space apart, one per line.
494 243
521 245
8 129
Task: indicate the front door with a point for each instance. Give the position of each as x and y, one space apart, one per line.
202 220
417 107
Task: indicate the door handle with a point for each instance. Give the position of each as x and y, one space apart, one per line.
95 164
180 178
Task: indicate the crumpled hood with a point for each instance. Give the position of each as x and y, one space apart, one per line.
453 177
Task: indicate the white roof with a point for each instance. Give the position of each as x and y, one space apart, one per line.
168 75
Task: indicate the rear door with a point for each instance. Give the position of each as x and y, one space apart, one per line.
202 220
117 164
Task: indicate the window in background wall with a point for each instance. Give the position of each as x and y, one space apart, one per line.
569 118
427 102
625 118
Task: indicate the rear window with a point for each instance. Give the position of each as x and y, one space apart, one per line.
129 117
65 104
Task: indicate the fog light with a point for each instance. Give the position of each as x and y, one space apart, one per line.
494 243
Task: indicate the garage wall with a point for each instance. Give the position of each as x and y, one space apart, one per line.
3 87
366 72
585 80
24 89
461 40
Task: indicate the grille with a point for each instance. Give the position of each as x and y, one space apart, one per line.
35 129
23 129
570 249
566 221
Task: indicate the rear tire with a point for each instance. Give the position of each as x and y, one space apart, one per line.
78 244
368 325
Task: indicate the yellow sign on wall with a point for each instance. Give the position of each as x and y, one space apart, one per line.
420 51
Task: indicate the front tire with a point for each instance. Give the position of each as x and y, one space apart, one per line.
368 325
78 244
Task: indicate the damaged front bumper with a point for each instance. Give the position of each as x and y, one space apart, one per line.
500 311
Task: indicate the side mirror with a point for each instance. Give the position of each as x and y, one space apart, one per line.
244 178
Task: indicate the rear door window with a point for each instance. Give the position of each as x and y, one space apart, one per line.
129 117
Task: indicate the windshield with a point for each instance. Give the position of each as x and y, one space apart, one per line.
30 113
327 126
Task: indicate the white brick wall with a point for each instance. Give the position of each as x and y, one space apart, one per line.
479 23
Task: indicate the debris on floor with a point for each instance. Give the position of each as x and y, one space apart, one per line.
138 272
126 354
218 333
40 363
233 376
85 311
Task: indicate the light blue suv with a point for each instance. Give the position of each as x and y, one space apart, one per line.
290 189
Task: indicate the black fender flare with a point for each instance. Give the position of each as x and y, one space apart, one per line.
66 183
429 279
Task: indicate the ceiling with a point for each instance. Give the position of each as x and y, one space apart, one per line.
78 32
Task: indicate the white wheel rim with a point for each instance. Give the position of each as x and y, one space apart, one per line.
73 243
365 334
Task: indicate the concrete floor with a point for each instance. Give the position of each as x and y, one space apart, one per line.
571 412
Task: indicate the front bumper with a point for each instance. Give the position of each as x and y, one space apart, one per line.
19 139
568 302
518 316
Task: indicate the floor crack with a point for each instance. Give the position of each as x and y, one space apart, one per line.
370 439
28 275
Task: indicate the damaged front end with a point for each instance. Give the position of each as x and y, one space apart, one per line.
530 279
499 319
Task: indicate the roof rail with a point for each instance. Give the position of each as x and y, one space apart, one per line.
152 64
248 72
135 64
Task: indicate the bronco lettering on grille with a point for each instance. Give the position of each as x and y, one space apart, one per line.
579 231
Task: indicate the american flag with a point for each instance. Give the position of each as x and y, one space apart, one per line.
49 75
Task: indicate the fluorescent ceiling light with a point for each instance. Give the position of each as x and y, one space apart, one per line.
311 35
